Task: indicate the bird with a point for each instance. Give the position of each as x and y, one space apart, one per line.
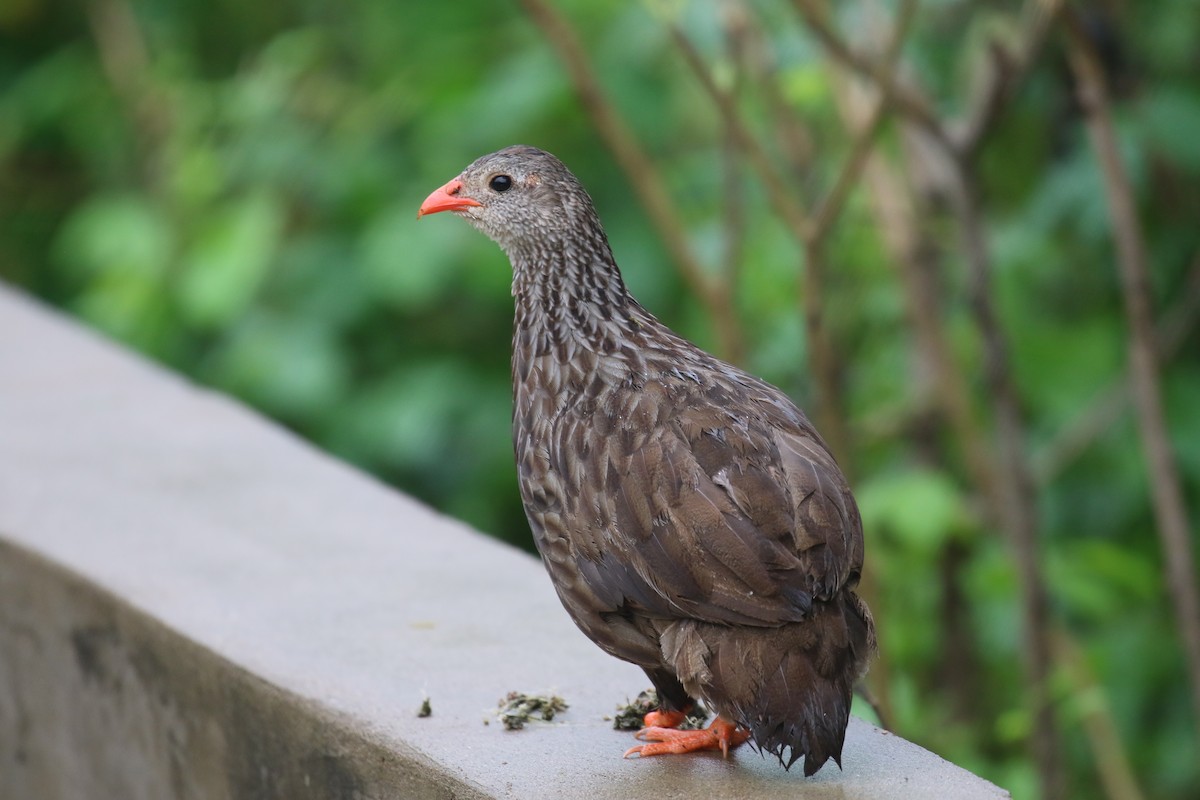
692 520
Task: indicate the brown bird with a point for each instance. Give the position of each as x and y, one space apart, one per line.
691 518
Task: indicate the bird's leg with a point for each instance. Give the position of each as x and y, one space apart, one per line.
721 735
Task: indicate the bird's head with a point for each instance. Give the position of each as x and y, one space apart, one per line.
516 196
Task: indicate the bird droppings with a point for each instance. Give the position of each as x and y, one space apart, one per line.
426 709
517 708
630 715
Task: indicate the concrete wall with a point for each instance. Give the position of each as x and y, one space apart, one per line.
195 604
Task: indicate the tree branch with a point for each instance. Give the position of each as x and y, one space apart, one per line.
125 60
1007 71
822 363
1111 758
1014 483
641 173
906 99
792 136
1010 480
810 231
1110 402
866 132
782 199
1133 266
913 257
733 194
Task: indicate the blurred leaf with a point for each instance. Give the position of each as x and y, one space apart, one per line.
1096 579
411 268
294 368
1182 389
922 508
1170 116
229 259
1014 725
117 248
405 417
807 87
117 237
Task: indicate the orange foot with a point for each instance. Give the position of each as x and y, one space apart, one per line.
664 719
721 735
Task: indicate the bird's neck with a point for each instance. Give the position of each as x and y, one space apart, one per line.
569 296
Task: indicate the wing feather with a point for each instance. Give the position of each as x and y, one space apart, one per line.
718 517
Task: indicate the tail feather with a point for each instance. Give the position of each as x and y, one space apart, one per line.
802 713
790 686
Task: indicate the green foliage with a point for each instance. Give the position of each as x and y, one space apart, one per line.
231 189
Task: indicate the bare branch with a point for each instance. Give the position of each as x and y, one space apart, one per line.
1014 483
821 361
1111 758
1133 266
905 98
1111 402
866 133
641 173
733 195
809 232
824 356
125 60
781 195
864 141
1005 475
1006 72
912 255
793 138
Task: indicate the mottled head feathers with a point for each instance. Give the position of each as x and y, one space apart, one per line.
527 198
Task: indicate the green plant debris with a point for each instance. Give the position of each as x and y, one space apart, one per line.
630 715
426 710
517 708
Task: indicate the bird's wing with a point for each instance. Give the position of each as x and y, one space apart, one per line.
708 513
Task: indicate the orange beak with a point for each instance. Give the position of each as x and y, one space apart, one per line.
446 198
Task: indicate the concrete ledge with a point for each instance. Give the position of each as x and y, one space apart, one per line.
194 603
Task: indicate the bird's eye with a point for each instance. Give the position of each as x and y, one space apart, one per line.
500 183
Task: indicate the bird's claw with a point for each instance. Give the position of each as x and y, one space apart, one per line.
720 735
655 733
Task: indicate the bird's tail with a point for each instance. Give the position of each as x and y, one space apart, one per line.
803 705
791 686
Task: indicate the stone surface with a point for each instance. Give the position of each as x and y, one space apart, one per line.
196 604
